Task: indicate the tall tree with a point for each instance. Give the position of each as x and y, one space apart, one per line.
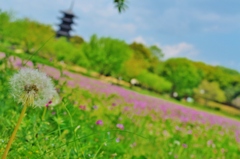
183 75
156 51
149 56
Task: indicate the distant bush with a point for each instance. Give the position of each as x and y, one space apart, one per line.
154 82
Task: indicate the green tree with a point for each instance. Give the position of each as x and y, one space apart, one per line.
76 40
147 56
183 75
231 92
133 67
106 55
236 102
156 51
141 51
224 76
65 51
209 91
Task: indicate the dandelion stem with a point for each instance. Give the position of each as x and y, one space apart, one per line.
14 132
44 112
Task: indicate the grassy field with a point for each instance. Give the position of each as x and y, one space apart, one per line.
212 107
96 119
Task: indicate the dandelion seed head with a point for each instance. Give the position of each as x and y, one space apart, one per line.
33 88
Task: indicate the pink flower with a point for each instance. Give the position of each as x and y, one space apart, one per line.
120 126
99 122
47 105
117 140
185 145
83 107
189 131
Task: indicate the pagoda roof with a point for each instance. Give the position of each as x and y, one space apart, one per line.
67 20
69 12
65 26
64 33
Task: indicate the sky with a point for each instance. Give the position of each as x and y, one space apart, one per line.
201 30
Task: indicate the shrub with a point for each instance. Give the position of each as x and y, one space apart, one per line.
154 82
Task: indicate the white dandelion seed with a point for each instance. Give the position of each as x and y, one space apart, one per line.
33 88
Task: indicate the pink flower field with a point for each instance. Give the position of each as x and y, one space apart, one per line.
140 103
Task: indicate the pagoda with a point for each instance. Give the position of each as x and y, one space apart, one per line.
66 25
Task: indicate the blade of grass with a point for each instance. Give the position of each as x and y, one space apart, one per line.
37 50
113 130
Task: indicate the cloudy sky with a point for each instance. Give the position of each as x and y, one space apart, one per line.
202 30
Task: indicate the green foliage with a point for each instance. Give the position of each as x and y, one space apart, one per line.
5 19
236 102
154 82
210 91
232 92
148 58
29 35
228 70
120 5
141 51
224 76
156 51
77 40
183 75
106 55
132 67
66 52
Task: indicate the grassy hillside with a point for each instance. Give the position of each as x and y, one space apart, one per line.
98 120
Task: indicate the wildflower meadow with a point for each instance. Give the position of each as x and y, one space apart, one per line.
95 119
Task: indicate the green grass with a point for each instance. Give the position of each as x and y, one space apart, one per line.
67 131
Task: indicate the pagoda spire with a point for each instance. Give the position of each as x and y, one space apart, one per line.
66 23
71 6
